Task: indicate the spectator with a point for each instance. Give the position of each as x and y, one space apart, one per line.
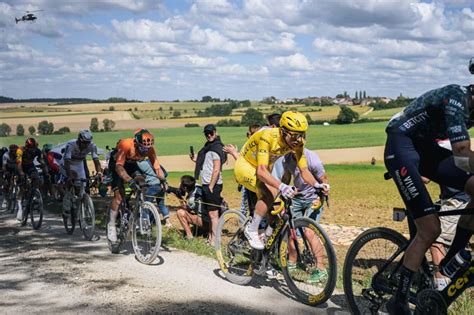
154 189
450 199
307 203
274 120
191 208
209 163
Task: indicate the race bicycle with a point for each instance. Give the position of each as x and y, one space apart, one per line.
32 204
141 219
370 272
80 207
299 248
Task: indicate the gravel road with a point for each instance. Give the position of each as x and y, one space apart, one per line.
48 271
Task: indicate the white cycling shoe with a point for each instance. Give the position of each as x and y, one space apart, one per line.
112 233
19 214
254 238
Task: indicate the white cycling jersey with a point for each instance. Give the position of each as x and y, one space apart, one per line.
75 155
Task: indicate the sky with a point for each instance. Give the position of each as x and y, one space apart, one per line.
247 49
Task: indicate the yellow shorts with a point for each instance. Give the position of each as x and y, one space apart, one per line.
245 174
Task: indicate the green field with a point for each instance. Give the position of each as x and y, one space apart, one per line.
176 141
384 113
359 195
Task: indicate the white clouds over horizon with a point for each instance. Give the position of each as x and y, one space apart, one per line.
240 49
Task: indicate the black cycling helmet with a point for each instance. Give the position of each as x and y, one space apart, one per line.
471 66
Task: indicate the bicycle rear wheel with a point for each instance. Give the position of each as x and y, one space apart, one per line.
232 248
36 209
87 217
146 233
367 255
308 262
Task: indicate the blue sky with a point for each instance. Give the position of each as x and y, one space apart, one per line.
248 49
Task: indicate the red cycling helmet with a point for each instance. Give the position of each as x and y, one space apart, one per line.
31 143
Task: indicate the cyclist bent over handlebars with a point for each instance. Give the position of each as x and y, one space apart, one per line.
253 167
123 164
411 151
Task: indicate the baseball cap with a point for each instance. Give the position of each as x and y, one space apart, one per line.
209 129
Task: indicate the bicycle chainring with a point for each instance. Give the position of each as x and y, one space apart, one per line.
430 302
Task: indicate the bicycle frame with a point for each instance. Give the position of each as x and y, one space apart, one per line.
462 280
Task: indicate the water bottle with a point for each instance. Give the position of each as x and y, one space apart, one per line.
460 260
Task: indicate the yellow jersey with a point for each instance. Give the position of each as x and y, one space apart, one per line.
265 146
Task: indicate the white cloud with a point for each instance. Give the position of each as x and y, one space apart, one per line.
144 29
296 62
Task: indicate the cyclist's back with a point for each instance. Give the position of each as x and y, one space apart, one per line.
437 114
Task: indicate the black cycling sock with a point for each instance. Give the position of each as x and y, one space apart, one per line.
461 238
406 278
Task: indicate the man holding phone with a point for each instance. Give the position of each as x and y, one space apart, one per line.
209 163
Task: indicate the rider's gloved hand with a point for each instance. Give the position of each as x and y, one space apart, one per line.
323 187
287 191
133 184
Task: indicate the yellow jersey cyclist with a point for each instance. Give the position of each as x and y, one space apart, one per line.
253 167
25 157
123 165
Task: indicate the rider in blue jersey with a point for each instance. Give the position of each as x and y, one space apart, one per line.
411 152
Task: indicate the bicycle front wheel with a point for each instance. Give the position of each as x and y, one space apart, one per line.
233 251
36 209
308 262
87 217
146 233
368 254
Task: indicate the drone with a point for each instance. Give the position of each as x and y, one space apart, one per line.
29 16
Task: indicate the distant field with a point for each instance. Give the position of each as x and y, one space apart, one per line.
384 113
359 195
176 141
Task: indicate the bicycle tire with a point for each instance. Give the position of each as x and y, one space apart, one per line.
150 230
36 209
230 241
87 217
351 264
298 281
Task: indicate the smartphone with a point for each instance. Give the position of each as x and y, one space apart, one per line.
191 151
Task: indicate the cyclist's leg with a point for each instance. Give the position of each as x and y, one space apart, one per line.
185 218
403 162
451 176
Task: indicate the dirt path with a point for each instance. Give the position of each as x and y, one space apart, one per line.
48 271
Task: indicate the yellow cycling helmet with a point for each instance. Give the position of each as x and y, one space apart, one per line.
294 121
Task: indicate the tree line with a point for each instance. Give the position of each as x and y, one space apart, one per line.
47 128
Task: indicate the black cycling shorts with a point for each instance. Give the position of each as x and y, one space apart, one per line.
130 167
31 171
407 160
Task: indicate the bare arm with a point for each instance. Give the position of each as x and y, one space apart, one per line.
122 173
265 176
463 149
216 168
98 168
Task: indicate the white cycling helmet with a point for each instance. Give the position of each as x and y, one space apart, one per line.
85 135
